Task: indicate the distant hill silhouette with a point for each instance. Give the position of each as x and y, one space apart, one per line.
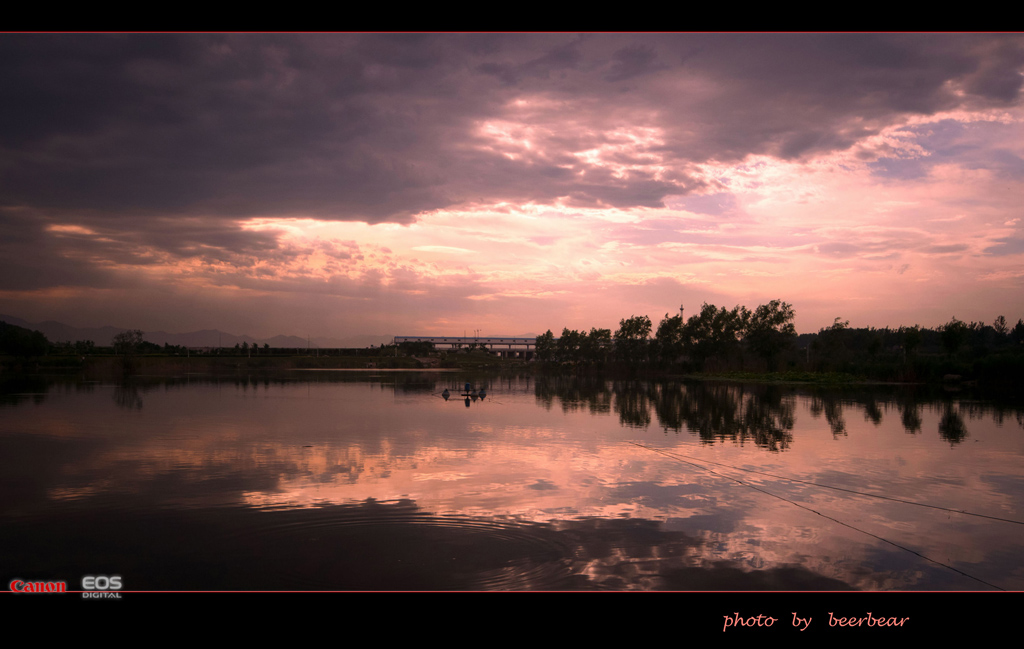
60 332
103 336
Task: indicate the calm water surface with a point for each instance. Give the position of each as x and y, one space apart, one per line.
351 481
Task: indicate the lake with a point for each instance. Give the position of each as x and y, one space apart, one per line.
331 480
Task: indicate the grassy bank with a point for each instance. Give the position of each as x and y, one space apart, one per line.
1003 372
170 365
100 365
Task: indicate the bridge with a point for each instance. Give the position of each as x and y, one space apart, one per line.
504 346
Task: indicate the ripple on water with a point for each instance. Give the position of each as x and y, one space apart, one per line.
396 546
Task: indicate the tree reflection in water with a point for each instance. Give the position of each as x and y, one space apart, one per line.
128 396
951 426
832 407
761 414
910 414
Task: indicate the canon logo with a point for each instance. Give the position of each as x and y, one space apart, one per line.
19 586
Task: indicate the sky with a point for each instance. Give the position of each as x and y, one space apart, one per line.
506 184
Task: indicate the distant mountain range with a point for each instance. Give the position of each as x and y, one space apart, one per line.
104 336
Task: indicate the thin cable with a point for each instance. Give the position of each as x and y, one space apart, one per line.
834 520
825 486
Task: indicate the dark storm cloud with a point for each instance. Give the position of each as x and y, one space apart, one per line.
553 59
196 238
33 259
381 127
633 61
237 126
41 251
792 94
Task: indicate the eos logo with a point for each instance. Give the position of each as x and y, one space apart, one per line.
101 583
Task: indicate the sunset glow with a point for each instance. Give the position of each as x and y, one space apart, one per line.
340 185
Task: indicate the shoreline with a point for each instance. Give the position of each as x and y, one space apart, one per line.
373 369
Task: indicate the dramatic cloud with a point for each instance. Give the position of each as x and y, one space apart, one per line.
400 183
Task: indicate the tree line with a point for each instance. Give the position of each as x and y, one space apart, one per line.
721 339
715 334
971 350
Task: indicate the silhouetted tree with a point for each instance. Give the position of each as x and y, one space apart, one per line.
569 345
1000 326
830 345
631 340
714 331
127 345
770 330
953 335
670 340
832 336
545 346
595 346
911 337
413 348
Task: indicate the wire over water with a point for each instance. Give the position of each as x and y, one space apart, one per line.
679 456
813 511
